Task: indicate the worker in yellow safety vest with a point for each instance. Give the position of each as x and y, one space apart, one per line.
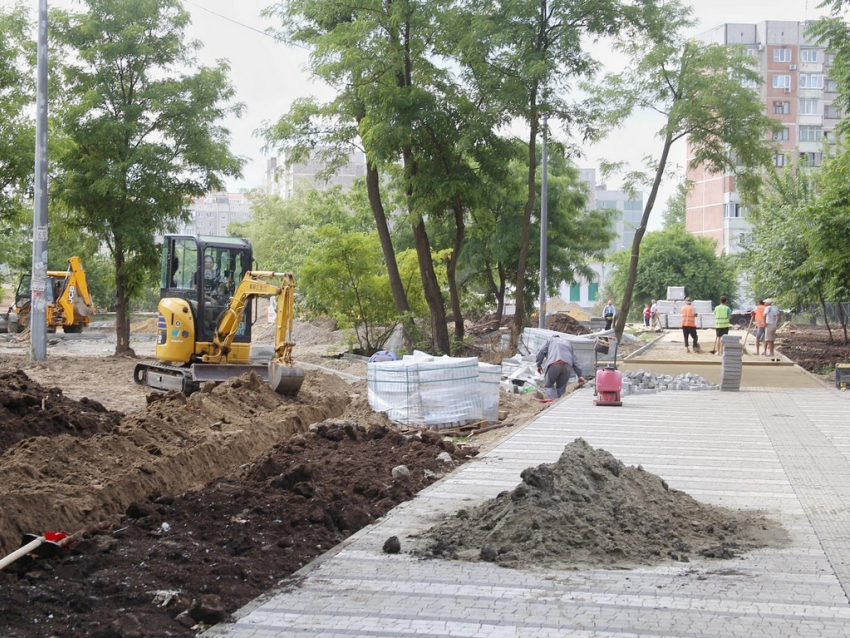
722 321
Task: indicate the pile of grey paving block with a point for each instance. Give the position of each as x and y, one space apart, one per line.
643 382
731 363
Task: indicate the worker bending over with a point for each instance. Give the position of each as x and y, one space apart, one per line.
556 360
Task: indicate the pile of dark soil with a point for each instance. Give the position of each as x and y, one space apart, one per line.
491 323
811 347
588 508
177 563
562 322
27 410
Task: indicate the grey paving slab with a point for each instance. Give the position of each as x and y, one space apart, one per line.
779 450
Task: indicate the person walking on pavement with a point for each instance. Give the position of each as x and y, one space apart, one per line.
608 312
771 321
689 325
556 360
653 313
758 319
722 321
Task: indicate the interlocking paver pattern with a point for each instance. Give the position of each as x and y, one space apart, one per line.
783 451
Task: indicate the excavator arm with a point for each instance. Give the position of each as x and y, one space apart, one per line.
255 284
283 377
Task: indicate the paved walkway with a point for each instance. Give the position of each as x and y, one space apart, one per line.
785 451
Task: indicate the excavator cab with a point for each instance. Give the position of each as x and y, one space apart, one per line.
205 271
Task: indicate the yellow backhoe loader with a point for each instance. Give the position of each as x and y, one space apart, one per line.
69 303
205 317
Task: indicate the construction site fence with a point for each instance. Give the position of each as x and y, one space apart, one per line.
837 314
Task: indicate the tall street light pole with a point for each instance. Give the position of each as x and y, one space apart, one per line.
38 280
544 224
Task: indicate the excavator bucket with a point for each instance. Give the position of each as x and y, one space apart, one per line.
285 379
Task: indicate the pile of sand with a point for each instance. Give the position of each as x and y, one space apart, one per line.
588 508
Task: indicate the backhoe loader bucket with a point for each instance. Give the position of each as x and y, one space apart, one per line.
285 379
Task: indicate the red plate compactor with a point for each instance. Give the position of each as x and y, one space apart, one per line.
609 380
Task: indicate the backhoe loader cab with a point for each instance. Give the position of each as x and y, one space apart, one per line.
204 326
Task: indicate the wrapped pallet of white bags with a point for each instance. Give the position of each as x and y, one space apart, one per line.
426 391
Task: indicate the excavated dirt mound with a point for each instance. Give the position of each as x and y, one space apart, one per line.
174 444
562 322
27 410
588 508
177 563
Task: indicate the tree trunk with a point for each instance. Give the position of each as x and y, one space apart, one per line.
843 320
431 289
825 314
451 271
526 230
122 315
625 305
396 286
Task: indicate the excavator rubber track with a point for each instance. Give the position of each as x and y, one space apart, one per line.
283 379
165 378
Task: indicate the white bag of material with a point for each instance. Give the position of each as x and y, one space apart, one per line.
490 379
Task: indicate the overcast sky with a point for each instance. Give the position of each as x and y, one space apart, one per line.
268 76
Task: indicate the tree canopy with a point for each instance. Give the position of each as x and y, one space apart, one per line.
702 91
141 123
17 128
674 257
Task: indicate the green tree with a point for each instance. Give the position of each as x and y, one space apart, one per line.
282 231
343 276
674 257
827 227
778 259
674 211
525 57
17 129
144 135
701 92
575 235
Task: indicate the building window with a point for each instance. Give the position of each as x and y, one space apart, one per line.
811 159
779 160
575 292
809 106
808 55
810 133
811 80
782 81
781 55
732 209
592 291
832 112
781 108
832 86
781 135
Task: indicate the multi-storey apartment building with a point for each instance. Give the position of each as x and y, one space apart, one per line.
629 211
796 91
282 177
212 213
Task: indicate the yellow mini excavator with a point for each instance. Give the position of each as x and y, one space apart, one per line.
205 317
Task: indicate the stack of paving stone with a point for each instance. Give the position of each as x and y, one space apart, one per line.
732 363
643 382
